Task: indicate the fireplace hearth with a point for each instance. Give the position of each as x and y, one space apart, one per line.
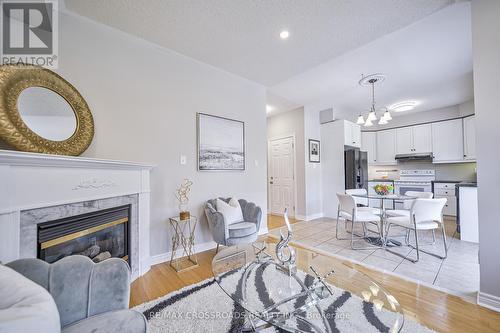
98 235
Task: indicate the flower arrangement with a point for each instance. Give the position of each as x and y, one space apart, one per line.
381 189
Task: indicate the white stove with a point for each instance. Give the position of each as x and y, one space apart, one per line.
414 180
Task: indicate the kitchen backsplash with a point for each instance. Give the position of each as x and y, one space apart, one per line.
455 171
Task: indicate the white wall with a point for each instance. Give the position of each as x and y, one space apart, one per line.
144 101
486 58
332 165
314 198
286 124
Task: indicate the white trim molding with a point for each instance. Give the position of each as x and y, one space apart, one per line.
489 301
165 257
309 217
18 158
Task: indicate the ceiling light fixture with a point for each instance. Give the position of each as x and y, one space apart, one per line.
382 121
361 120
284 34
370 80
269 108
403 106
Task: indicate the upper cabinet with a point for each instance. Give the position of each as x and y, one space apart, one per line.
369 144
422 138
386 147
352 134
470 138
448 141
414 139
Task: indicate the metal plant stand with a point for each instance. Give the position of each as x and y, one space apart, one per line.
183 237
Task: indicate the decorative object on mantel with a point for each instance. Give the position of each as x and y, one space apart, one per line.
94 183
383 189
182 195
366 81
314 151
43 113
285 253
221 143
183 238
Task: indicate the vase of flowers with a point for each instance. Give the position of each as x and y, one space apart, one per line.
382 189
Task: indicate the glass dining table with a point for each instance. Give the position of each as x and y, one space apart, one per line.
382 240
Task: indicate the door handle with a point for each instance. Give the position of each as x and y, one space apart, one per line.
271 183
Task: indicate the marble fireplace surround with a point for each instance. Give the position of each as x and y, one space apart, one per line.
36 188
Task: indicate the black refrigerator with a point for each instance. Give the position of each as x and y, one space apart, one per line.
356 169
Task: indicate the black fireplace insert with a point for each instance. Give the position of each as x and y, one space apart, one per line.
98 235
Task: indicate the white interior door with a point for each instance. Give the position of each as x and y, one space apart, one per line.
281 176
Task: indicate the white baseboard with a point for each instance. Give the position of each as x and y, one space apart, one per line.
491 302
308 217
164 257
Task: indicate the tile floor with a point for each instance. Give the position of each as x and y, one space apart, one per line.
458 273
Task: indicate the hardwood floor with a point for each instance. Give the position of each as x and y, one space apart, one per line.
435 309
274 221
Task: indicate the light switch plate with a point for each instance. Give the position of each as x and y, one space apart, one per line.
183 159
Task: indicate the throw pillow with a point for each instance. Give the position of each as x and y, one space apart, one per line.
231 211
25 306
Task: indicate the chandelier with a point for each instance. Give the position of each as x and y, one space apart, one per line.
366 81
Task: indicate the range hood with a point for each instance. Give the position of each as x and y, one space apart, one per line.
415 157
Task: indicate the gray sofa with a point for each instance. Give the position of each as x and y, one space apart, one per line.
245 231
89 297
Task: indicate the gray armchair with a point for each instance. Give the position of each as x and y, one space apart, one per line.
89 297
245 231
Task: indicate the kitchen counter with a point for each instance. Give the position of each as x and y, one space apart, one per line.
381 180
446 181
466 184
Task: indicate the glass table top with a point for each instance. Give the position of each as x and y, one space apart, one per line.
344 299
394 197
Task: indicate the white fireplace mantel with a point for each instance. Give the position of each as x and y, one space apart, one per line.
30 181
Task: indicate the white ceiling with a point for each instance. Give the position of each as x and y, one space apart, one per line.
242 36
429 61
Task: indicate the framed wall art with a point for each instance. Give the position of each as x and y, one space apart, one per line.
314 151
221 143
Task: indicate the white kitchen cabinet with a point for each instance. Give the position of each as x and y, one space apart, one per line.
386 147
414 139
352 134
404 141
447 191
447 141
422 138
369 144
469 138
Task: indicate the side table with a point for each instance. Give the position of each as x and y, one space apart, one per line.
183 237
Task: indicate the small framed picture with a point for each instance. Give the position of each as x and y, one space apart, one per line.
314 151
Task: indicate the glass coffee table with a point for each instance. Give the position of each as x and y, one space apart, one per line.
323 295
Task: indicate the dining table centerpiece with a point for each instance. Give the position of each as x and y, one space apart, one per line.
383 189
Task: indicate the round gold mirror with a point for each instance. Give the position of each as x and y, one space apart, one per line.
43 113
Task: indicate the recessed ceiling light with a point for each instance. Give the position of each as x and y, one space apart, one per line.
403 106
269 108
284 34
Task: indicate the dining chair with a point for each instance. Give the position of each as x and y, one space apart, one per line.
425 214
407 203
406 211
348 210
362 203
